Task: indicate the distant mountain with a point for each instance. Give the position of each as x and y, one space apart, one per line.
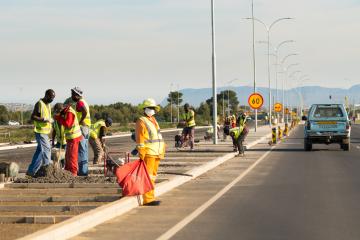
311 94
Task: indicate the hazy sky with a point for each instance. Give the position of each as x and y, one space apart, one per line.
127 50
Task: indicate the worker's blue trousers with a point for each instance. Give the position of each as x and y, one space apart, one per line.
42 155
84 152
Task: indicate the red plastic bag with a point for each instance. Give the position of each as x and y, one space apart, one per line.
134 178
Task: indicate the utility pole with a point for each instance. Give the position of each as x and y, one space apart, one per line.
215 140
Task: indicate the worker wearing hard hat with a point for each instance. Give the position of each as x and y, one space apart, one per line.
189 130
83 115
96 140
42 118
150 144
239 133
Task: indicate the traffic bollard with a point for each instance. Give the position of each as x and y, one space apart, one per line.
286 130
279 133
274 135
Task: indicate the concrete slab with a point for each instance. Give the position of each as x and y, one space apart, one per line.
56 191
60 208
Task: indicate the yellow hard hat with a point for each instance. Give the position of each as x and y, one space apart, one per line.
150 103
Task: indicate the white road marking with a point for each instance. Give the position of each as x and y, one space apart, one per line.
180 225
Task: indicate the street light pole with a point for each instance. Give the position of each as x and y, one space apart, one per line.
268 28
277 63
178 106
171 117
283 87
213 73
254 63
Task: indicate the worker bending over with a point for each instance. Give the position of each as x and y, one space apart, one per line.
150 144
97 133
239 133
67 118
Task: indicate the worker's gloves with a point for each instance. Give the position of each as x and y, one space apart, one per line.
134 152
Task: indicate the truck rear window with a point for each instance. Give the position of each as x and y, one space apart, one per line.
328 112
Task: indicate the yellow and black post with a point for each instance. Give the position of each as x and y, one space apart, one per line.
274 136
279 133
286 130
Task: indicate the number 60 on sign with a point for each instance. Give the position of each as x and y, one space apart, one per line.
255 101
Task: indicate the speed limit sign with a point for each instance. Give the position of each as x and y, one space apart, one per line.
278 107
255 101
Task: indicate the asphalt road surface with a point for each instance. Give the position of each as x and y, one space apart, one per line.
303 195
285 193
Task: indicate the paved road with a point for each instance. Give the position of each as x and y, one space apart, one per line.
289 194
123 144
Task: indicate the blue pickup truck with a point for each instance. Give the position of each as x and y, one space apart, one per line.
326 124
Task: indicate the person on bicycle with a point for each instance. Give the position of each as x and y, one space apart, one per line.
239 133
189 130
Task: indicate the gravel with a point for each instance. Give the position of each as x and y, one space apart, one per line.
51 174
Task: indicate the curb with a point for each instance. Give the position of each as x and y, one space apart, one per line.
108 137
86 221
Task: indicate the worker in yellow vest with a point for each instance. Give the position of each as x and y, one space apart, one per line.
68 119
149 144
239 133
58 133
42 118
96 140
83 116
189 130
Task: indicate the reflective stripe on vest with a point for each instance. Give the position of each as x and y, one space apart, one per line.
74 131
87 119
60 133
187 116
95 129
155 144
45 112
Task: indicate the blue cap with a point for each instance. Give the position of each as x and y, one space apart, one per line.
109 121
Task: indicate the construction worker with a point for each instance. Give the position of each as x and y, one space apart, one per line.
41 116
239 133
189 130
96 140
232 119
83 115
58 133
149 144
67 118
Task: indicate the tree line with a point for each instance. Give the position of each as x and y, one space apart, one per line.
125 113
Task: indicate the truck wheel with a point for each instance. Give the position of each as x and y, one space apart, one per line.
307 145
346 147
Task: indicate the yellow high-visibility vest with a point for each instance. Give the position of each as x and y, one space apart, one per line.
187 117
155 145
74 131
95 129
60 133
87 119
45 112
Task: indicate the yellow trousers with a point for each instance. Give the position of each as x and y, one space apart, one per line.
152 165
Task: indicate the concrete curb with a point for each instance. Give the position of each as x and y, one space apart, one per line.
20 146
92 218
